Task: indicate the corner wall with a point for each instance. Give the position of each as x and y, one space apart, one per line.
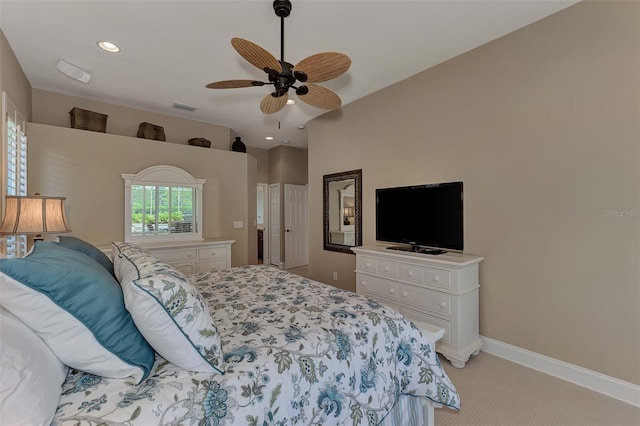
542 127
86 167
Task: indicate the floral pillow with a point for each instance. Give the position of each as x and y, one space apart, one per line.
168 310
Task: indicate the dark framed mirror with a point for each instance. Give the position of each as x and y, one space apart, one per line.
342 210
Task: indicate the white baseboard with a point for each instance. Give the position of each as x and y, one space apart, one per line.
610 386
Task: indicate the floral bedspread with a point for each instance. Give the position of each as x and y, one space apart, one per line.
296 352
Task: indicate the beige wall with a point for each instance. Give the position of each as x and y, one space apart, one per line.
14 82
86 168
288 165
542 127
12 79
53 108
262 155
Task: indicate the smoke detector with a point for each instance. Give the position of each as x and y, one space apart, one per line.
73 71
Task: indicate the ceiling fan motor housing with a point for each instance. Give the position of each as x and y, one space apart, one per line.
284 80
282 8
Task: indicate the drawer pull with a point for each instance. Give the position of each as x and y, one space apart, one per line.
189 254
386 269
404 294
391 290
364 283
410 273
436 279
443 304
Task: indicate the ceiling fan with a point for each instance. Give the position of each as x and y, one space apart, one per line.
283 75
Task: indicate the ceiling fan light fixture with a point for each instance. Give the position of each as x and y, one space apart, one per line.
291 102
284 75
108 46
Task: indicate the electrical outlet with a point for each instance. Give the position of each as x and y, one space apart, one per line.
335 276
237 224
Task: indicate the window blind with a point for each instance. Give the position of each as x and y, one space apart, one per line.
15 166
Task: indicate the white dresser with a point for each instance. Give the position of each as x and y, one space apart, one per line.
441 290
190 257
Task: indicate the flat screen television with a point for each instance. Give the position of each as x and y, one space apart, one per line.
427 218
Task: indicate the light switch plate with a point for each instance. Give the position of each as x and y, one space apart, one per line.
237 224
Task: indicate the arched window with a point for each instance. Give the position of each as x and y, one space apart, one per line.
162 203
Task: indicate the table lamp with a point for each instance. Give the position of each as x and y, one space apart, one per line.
34 215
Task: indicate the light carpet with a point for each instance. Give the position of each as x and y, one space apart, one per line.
497 392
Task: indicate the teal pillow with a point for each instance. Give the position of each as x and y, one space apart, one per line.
90 250
77 308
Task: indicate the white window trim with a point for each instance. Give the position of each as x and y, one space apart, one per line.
162 175
16 245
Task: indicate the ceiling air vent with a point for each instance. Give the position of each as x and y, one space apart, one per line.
178 105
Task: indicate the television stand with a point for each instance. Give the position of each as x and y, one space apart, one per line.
437 290
418 249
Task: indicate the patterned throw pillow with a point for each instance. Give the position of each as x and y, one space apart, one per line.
168 310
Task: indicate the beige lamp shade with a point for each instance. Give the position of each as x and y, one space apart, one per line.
34 215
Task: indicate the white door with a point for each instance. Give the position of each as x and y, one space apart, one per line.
296 232
274 223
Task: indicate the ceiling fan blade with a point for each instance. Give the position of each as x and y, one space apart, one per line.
321 97
256 55
233 84
271 105
323 66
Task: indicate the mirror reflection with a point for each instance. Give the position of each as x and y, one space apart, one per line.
342 201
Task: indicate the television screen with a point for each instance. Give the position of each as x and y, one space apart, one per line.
423 215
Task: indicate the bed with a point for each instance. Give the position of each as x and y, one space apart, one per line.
286 351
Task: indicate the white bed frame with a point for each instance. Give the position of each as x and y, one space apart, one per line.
433 334
428 412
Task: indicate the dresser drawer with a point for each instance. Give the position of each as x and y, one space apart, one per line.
438 322
366 264
378 298
437 277
186 267
212 265
375 286
211 253
410 272
170 255
387 268
424 298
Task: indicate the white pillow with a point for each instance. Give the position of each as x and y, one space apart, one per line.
77 308
31 376
168 310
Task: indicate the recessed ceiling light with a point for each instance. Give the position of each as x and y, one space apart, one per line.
108 46
269 138
301 126
291 102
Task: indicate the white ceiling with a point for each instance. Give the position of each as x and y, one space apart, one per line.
172 49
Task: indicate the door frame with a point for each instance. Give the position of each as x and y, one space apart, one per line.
266 258
278 259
